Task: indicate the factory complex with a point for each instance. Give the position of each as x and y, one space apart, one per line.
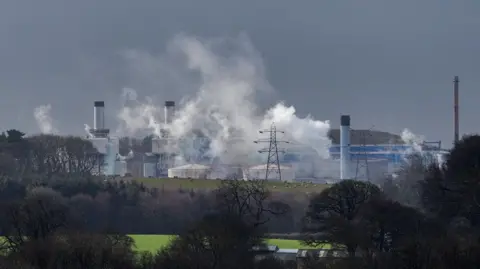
297 162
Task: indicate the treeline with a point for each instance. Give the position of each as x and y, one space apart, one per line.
56 214
63 167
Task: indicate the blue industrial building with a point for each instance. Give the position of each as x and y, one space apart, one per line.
392 153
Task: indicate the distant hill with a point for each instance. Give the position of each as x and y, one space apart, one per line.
370 137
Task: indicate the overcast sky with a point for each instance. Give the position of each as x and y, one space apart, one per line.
388 63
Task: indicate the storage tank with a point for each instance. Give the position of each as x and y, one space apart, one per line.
222 171
196 171
259 171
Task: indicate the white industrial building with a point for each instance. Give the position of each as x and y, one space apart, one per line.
161 146
287 173
195 171
107 147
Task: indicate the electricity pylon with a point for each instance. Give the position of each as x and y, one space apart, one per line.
273 161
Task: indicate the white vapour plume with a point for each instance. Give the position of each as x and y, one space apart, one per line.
44 120
306 130
87 130
416 142
229 74
136 116
413 140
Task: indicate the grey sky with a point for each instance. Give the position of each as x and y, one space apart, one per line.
387 63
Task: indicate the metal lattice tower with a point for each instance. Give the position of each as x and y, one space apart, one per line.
362 170
273 161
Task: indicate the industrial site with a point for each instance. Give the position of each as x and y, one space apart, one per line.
352 154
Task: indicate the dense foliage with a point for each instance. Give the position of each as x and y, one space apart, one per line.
57 214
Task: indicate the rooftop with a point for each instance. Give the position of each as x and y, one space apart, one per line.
358 137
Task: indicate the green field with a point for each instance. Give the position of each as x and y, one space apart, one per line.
192 184
155 242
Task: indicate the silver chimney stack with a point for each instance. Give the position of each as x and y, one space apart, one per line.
99 129
169 111
98 115
345 147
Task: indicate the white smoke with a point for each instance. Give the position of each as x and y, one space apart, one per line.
44 119
136 116
415 141
87 129
229 76
306 130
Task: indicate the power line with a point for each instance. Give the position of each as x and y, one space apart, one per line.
362 170
273 161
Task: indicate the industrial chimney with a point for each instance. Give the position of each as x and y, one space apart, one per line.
345 147
455 109
169 111
98 115
99 129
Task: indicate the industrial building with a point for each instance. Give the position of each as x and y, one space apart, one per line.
110 163
354 154
160 145
351 156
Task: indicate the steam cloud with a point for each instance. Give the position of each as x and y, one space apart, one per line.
228 75
416 142
44 120
413 140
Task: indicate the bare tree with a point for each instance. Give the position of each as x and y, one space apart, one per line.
37 217
218 241
55 155
331 217
80 156
250 200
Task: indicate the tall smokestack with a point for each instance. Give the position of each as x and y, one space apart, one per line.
169 111
345 147
99 115
455 109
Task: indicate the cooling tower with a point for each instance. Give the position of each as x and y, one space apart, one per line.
345 147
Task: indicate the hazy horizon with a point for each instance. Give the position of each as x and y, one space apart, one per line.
388 64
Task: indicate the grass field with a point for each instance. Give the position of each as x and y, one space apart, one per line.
155 242
188 184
